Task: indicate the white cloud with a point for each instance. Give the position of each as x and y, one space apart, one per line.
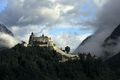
41 16
44 12
100 3
52 1
26 16
7 40
66 39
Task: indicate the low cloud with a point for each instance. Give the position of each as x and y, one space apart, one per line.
7 40
94 44
105 20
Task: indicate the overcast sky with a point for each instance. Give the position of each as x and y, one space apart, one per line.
67 22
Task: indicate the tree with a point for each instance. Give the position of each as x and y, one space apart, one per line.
67 49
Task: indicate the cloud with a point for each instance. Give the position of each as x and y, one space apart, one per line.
94 44
63 39
44 12
107 15
41 16
105 20
100 3
67 39
7 40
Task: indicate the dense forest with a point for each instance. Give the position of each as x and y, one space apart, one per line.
35 63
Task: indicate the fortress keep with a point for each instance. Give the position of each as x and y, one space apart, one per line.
40 41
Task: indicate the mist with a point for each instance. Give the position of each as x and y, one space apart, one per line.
106 19
94 44
7 40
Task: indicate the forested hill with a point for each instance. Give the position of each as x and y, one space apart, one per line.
35 63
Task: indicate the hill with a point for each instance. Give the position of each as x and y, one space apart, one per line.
36 63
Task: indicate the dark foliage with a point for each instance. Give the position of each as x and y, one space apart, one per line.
67 49
35 63
32 63
114 64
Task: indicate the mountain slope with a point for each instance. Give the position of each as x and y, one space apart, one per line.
82 43
3 29
115 34
112 40
112 43
85 40
105 44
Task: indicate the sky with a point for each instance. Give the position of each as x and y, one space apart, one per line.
67 22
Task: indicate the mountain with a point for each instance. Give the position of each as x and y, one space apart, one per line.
112 40
112 43
101 45
85 40
82 43
4 30
115 34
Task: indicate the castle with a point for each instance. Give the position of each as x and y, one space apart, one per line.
44 41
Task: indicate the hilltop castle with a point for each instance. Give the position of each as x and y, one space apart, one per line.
44 41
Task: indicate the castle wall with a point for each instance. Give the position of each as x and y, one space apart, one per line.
25 44
43 45
40 39
63 53
50 43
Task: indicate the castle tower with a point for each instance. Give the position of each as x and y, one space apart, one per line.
42 35
31 37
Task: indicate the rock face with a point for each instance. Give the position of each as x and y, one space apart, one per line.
4 30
